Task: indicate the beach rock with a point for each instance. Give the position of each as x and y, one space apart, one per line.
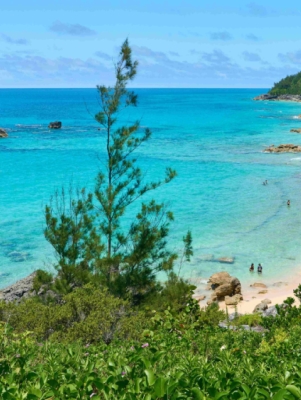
283 148
260 308
262 291
223 285
258 285
3 133
296 130
282 97
234 300
55 125
266 301
270 312
19 290
226 260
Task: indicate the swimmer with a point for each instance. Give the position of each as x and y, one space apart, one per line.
288 202
259 269
252 267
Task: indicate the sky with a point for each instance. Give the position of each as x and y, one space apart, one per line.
179 44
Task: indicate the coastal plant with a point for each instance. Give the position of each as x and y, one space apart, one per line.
132 256
72 234
92 234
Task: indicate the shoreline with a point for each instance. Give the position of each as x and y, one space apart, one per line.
276 291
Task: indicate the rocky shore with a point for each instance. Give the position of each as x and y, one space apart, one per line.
282 97
283 148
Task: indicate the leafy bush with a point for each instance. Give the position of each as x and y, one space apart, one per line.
86 314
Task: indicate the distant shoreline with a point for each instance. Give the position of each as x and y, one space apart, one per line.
283 97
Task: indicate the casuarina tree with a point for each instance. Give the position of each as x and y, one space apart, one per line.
125 257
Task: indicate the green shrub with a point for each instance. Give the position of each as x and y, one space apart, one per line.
42 278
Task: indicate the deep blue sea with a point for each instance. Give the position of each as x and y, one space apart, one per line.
213 138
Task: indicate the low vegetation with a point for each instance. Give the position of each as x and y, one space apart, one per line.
100 352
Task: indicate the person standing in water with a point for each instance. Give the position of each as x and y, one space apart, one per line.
259 269
252 267
288 202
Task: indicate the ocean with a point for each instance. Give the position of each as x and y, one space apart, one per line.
214 138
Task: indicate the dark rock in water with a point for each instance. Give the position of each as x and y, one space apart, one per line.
55 125
265 97
3 133
19 290
282 97
283 148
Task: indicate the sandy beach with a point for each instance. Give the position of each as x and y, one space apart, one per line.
276 291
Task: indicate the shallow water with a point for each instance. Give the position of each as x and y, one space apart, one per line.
213 138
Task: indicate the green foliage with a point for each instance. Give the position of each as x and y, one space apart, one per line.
42 278
86 230
289 85
248 319
181 356
86 314
70 230
131 257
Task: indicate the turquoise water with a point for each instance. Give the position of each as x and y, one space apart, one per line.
213 138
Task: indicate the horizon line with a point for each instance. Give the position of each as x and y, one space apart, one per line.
135 88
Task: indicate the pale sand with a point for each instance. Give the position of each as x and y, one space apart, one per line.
275 293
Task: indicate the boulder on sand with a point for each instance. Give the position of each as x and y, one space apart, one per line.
3 133
260 308
55 125
224 284
234 300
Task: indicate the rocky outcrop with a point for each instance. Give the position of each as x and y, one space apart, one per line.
282 97
270 312
19 290
23 289
3 133
283 148
223 284
296 130
55 125
260 308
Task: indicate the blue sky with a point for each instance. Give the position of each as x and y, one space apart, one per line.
192 43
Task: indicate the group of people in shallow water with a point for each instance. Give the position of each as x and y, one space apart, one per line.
259 268
288 203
